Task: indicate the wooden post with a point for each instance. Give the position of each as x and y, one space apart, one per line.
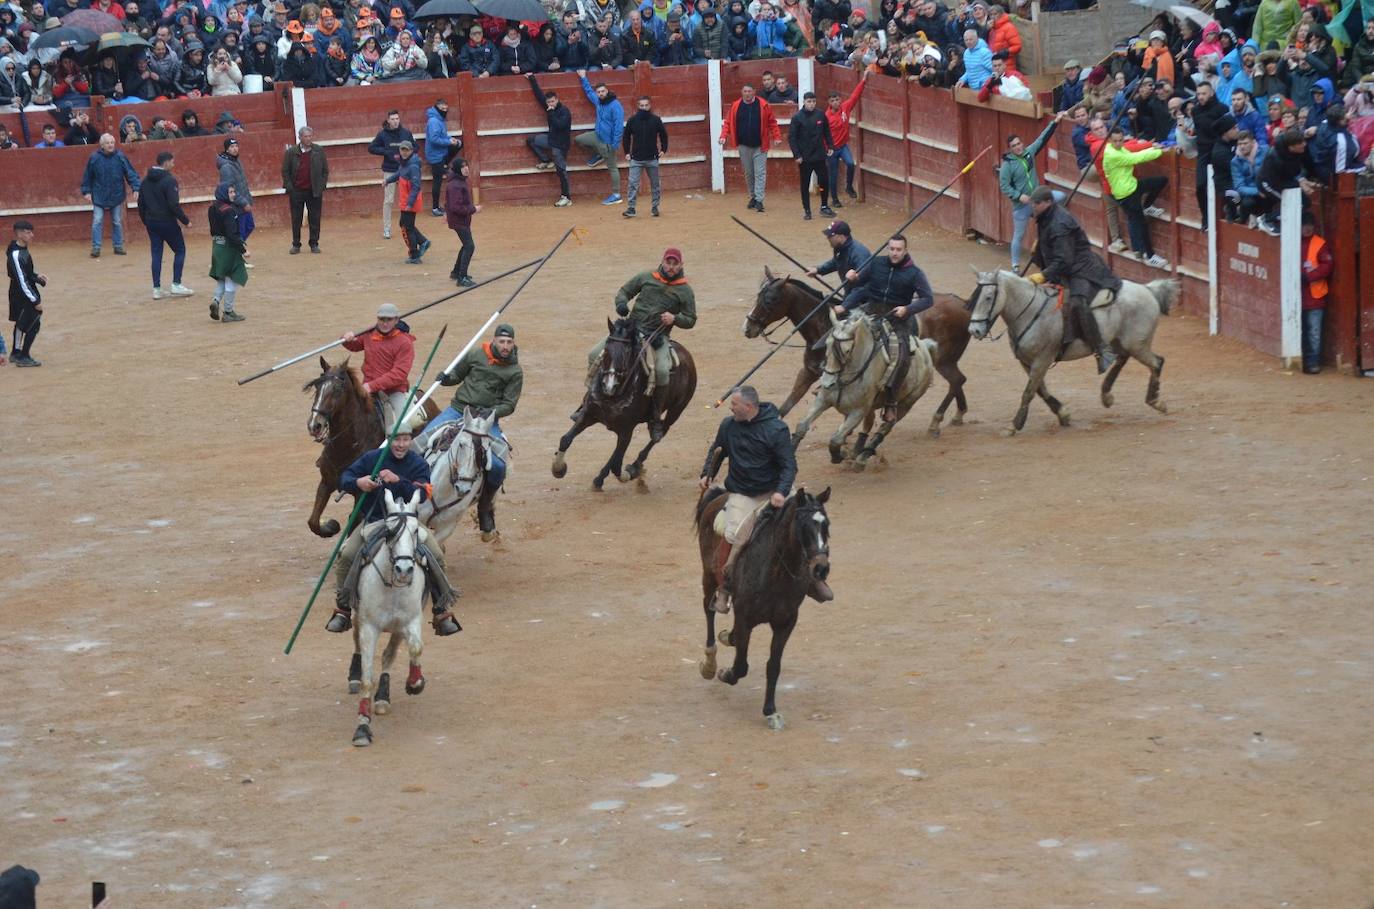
906 143
472 144
1341 230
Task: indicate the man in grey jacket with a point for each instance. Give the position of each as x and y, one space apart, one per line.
231 172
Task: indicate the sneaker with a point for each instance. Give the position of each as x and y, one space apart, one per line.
214 309
413 260
753 203
1269 227
386 234
231 315
1154 211
95 252
157 293
827 211
249 265
437 212
315 248
295 250
1157 261
759 208
563 202
1117 245
424 248
119 251
612 199
654 211
181 290
466 281
594 160
22 360
851 194
543 165
836 203
628 213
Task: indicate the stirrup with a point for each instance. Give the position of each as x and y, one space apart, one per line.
343 623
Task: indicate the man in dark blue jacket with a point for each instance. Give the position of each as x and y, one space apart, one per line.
387 145
403 472
102 185
1070 91
758 445
848 254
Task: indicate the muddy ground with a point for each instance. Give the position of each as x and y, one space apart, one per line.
1124 663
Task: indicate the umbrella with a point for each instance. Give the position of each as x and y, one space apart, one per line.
450 8
93 20
64 37
1183 11
513 9
121 44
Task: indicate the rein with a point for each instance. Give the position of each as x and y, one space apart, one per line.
840 382
766 331
390 534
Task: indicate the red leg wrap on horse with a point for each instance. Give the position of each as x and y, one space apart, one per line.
415 675
365 707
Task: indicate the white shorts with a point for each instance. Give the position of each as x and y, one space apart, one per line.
738 509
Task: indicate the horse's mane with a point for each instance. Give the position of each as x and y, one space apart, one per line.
707 497
356 375
801 285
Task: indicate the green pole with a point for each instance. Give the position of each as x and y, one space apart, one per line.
358 504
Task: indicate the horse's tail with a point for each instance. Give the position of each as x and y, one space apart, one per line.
707 497
1166 292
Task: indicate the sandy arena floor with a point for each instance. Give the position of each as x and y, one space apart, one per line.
1122 664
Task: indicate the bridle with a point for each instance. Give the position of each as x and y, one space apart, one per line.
644 345
322 383
765 331
455 474
805 513
396 523
1010 320
837 345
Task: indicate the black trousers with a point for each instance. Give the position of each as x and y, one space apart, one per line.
412 234
1220 159
1146 191
460 265
25 330
820 169
301 202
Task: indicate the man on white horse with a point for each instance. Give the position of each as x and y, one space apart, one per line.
403 473
1067 258
490 378
388 353
891 287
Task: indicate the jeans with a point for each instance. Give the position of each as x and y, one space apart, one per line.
754 161
1146 191
841 154
301 203
116 229
460 265
496 467
807 168
1312 337
597 147
636 167
168 232
545 153
1020 219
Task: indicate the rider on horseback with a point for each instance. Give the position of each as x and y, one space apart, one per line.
490 378
1065 256
388 352
662 300
403 472
891 287
847 255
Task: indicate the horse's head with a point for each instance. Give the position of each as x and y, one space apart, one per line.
839 347
811 529
466 460
402 536
331 388
618 358
770 304
985 304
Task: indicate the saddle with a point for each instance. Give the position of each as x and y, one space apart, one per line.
487 446
646 357
437 587
888 342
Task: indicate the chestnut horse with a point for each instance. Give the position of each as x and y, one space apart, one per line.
946 323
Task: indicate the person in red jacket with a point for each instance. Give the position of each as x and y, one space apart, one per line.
1002 35
837 113
1316 273
1096 138
388 353
751 126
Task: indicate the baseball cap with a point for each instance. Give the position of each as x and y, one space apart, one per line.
388 311
230 141
673 252
406 144
505 330
836 227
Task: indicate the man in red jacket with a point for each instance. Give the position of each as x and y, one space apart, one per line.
751 126
837 113
388 353
1003 36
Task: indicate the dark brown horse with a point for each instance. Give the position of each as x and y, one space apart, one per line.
784 298
788 550
620 400
345 421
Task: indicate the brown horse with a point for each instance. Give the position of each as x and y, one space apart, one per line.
784 298
345 421
788 550
620 400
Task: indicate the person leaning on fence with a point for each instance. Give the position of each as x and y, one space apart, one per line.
551 148
604 140
1017 178
304 176
1317 265
751 127
1135 194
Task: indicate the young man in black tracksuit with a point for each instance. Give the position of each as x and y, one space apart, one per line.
551 148
645 138
159 205
809 137
26 303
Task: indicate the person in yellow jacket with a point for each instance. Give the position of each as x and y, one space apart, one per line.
1136 195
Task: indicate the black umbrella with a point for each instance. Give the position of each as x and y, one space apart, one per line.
65 36
121 44
512 9
452 9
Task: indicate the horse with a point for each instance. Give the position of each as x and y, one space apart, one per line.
345 421
852 383
457 472
785 298
391 596
788 550
619 398
1128 324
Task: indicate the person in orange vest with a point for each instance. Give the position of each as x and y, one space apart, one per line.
1316 272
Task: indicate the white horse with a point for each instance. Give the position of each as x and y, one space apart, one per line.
852 383
1036 332
458 474
391 594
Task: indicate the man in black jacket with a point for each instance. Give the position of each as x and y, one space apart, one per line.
159 205
848 254
809 137
758 445
1066 257
551 148
26 303
644 139
387 144
1215 127
304 176
1285 167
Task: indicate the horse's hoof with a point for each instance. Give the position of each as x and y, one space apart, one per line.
560 466
1064 416
726 637
328 528
958 420
489 535
381 707
362 736
355 674
774 721
1008 432
1159 406
1108 399
355 686
707 664
416 687
598 485
727 676
934 431
632 472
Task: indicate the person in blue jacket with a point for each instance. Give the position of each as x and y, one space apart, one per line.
1245 166
440 148
977 60
767 32
604 141
478 55
102 185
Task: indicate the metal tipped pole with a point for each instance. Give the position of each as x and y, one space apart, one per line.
826 300
358 503
784 253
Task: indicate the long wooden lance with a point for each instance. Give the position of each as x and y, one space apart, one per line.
415 408
332 344
784 253
358 503
831 296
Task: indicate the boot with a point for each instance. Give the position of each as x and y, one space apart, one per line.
486 513
342 619
656 428
442 594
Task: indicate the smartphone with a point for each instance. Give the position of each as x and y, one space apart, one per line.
97 893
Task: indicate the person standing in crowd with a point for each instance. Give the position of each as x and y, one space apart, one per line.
159 205
1245 166
811 144
388 353
551 148
1316 273
440 148
460 209
1018 178
226 254
387 144
407 179
102 185
837 115
751 127
604 141
49 139
304 176
1136 195
26 301
645 139
231 171
1215 127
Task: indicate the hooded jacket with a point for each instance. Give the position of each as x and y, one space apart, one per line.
560 120
387 358
645 136
1003 36
160 198
437 140
610 115
386 144
977 64
231 171
486 380
458 205
1245 173
408 179
1017 176
1275 21
759 451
